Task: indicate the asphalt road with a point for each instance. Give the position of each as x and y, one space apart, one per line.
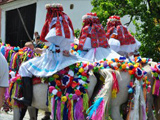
9 115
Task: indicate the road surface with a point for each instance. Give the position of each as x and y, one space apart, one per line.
9 115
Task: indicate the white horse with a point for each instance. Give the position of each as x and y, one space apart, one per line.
122 96
124 80
40 93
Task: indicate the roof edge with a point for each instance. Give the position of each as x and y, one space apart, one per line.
5 2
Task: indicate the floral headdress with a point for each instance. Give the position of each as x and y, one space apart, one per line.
113 21
114 18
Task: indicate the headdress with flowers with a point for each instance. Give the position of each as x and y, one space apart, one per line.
113 21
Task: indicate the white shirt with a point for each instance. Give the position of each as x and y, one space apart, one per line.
4 72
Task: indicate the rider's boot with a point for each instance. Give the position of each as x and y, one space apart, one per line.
27 88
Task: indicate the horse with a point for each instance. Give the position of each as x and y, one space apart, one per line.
123 80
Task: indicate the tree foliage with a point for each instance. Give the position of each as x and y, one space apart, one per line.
77 33
146 11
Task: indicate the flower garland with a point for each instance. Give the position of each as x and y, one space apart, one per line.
14 91
156 77
74 50
67 91
64 87
15 55
145 84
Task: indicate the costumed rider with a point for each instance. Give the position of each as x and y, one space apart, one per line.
120 39
59 34
93 41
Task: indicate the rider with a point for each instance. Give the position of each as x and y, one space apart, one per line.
120 38
58 31
93 41
4 77
29 45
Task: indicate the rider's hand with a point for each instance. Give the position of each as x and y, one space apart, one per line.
66 53
38 50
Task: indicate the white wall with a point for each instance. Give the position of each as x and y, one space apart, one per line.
3 26
81 7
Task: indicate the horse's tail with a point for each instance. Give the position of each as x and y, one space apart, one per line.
97 110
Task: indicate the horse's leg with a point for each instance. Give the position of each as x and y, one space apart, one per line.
123 80
157 107
22 113
92 84
150 114
16 113
32 113
124 110
2 91
115 113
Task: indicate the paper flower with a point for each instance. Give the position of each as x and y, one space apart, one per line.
64 99
51 88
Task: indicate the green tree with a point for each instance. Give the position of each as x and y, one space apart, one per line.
77 33
146 11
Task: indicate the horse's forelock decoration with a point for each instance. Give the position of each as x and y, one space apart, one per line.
138 73
157 67
156 76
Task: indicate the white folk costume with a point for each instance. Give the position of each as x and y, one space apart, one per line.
93 41
120 39
4 77
58 31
